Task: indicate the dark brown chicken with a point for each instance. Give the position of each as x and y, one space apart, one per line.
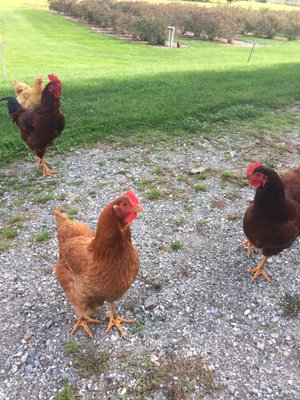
272 221
39 127
94 267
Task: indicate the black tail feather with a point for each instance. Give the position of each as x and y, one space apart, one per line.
12 104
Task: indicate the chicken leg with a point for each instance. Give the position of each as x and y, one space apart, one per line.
249 246
83 321
46 170
260 270
114 320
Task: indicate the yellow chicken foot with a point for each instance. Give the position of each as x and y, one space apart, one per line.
46 170
249 246
260 270
114 320
83 321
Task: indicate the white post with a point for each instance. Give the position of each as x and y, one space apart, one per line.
171 36
3 62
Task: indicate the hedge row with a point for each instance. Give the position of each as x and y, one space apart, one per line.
148 22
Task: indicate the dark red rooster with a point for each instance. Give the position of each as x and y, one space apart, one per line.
272 220
38 128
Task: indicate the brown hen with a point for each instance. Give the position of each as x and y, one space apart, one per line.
94 267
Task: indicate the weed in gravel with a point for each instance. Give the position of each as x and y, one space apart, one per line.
227 157
72 213
72 347
77 199
154 194
201 224
9 233
61 196
226 175
122 159
271 163
291 305
137 326
19 201
4 246
157 170
16 220
176 376
91 363
44 198
202 176
189 207
181 178
199 187
67 392
144 182
176 245
243 183
179 221
42 236
88 361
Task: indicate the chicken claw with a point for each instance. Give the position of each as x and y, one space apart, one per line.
46 170
114 320
249 246
83 321
259 270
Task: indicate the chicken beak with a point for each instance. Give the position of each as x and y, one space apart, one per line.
139 208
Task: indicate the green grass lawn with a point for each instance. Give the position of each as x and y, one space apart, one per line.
121 91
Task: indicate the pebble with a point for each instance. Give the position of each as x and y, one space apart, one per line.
151 302
232 389
260 346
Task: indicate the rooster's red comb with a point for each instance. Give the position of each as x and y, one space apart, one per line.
54 78
132 197
252 167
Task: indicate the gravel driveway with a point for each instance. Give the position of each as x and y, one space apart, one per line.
193 303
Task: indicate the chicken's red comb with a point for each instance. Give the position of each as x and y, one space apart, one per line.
132 197
54 78
252 167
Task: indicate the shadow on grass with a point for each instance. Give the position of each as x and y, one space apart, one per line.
169 103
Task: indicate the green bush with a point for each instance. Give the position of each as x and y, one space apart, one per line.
148 22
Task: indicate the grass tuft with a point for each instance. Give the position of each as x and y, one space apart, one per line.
291 305
154 194
44 198
66 393
176 245
42 236
4 246
176 376
199 187
9 233
72 213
